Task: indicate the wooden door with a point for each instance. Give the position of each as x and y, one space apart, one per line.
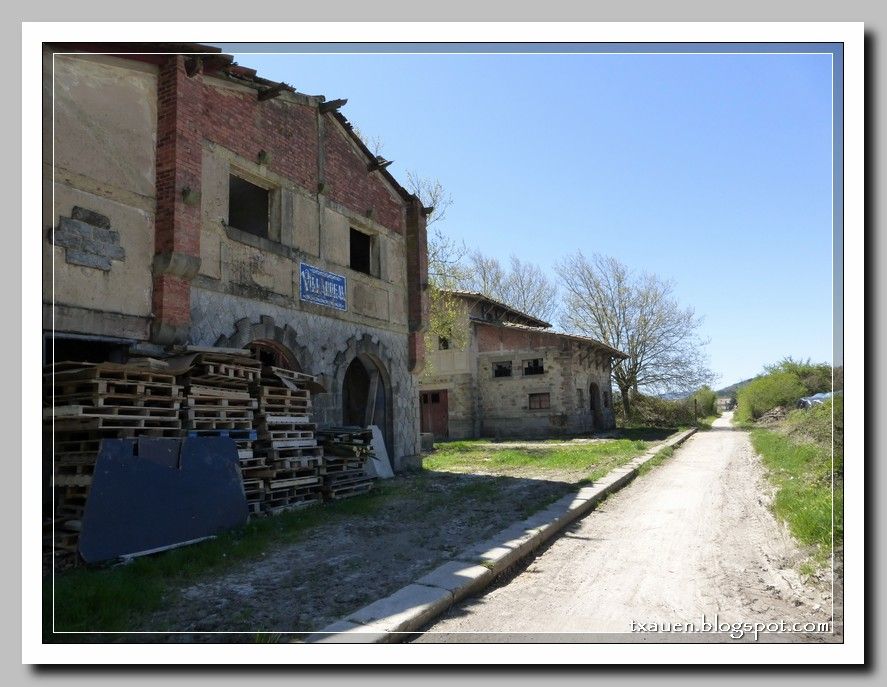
435 413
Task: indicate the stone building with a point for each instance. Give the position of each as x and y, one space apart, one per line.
514 377
187 201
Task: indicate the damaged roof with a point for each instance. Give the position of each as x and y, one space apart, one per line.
221 65
528 320
615 353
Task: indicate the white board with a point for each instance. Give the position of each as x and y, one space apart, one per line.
379 465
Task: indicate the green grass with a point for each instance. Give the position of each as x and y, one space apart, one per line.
802 474
112 598
705 422
470 456
115 599
661 456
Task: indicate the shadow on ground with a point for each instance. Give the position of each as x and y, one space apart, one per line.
361 550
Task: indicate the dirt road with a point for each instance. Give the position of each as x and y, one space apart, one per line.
692 537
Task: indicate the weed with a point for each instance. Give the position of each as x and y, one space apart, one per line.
661 456
803 472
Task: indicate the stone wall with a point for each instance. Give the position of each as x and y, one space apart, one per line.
481 405
322 346
98 208
567 378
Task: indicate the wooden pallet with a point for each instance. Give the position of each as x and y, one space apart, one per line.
220 402
120 430
66 372
203 391
216 413
336 492
108 411
122 427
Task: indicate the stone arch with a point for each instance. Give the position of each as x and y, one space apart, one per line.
366 355
267 333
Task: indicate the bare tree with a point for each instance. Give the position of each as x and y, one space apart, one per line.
527 288
432 194
374 143
636 314
445 267
484 275
522 285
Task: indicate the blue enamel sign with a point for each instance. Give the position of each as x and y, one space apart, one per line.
323 288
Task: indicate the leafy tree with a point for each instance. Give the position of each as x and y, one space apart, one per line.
638 315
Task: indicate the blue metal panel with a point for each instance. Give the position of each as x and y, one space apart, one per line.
154 493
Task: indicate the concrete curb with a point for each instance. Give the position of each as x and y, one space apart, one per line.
401 614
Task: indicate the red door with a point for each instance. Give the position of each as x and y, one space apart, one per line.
435 413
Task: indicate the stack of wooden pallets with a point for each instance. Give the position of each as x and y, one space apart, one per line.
219 400
86 403
286 472
346 451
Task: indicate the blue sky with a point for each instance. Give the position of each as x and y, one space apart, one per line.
711 170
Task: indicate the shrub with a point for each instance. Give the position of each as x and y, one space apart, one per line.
705 401
815 377
767 392
658 412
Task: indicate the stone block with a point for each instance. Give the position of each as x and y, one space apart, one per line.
407 609
74 227
458 577
345 632
77 257
90 217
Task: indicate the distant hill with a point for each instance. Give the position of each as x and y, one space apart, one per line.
674 395
729 391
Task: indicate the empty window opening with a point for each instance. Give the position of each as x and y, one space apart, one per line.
424 399
502 369
84 351
533 367
443 343
539 401
361 249
435 397
247 206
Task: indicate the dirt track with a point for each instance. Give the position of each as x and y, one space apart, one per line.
693 537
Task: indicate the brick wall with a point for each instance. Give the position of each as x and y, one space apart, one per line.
287 131
349 183
177 219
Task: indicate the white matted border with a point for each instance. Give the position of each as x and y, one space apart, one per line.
850 34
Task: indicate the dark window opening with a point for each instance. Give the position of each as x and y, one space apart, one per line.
539 401
85 351
443 343
424 399
533 367
361 245
502 369
247 206
435 398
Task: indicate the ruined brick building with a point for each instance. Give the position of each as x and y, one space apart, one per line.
189 201
514 377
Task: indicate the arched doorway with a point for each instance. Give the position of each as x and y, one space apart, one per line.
274 354
366 397
594 398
